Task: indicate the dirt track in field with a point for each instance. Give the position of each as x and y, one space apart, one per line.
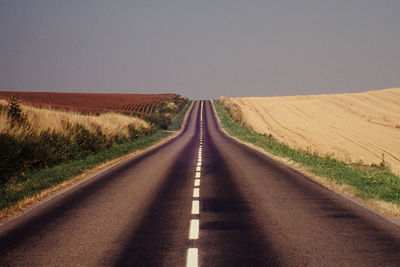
352 127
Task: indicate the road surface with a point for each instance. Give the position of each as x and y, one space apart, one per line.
200 199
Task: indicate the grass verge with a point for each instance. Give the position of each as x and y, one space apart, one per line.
32 184
367 182
176 122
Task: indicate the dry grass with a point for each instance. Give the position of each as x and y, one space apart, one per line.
42 120
234 110
172 106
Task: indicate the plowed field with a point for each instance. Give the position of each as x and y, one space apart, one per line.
353 127
124 103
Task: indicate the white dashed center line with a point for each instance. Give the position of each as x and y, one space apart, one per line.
193 253
194 229
196 192
192 257
195 207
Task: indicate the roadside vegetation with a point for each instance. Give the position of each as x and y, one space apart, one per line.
165 112
176 121
41 148
368 182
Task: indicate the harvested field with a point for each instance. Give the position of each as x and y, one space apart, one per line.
123 103
360 127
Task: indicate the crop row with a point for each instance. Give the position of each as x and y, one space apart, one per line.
123 103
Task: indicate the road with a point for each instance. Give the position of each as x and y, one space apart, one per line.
201 198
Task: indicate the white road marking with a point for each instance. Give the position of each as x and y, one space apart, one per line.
194 229
196 192
192 257
195 207
201 111
193 253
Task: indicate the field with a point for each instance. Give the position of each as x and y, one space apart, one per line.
360 128
82 102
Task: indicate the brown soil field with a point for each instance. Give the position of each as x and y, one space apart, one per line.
85 102
358 127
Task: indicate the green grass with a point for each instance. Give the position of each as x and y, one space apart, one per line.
177 120
369 182
32 183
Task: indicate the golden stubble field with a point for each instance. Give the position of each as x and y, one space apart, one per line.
351 127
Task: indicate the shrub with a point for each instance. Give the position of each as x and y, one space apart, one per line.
9 157
232 108
162 116
15 114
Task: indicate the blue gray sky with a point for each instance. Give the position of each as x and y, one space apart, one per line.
200 48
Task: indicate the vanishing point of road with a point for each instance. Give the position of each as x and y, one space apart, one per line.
199 199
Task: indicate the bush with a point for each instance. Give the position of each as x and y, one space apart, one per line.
9 157
15 114
90 143
232 108
162 116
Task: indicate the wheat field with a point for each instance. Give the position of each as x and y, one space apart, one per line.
358 127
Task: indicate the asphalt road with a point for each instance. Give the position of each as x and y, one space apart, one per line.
200 198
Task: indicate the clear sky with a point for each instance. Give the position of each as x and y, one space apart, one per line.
200 48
